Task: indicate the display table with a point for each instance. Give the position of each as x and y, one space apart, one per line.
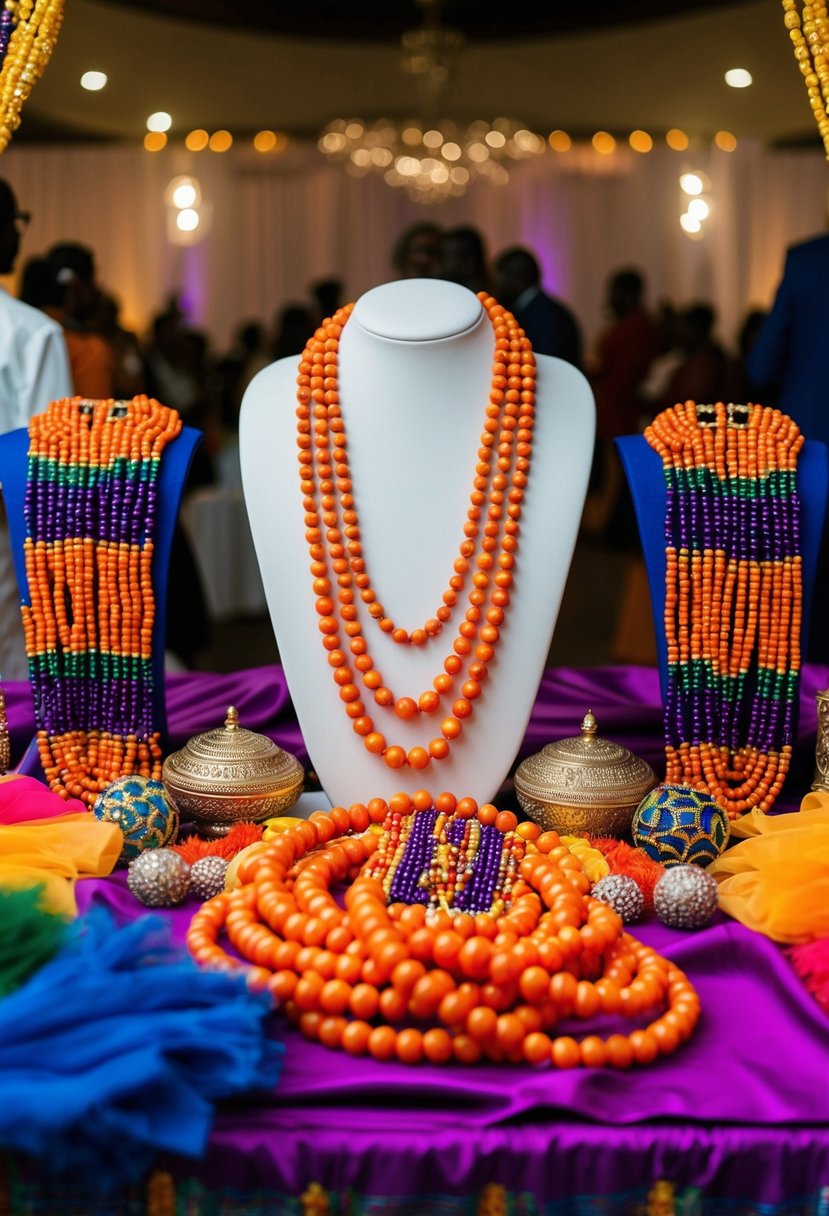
737 1121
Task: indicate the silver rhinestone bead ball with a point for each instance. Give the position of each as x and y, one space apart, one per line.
207 877
159 878
623 895
685 897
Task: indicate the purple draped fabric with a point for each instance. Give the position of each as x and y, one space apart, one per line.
741 1111
626 701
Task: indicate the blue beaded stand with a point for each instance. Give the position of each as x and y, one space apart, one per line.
646 480
175 465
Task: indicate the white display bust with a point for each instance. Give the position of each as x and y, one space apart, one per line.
415 369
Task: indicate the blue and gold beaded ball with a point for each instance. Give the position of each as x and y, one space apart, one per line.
677 825
142 809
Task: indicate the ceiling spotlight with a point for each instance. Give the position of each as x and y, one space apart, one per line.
196 141
699 209
725 141
692 183
738 78
187 220
604 143
93 81
559 141
676 139
220 141
183 192
690 224
160 121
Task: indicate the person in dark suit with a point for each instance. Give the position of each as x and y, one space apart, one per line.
464 258
787 362
548 323
787 368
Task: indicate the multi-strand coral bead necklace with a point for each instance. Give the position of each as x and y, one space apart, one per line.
734 596
486 558
506 965
90 511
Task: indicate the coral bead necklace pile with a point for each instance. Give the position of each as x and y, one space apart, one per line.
491 963
734 598
90 511
486 557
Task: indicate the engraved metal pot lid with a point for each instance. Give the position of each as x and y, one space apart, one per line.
220 761
584 769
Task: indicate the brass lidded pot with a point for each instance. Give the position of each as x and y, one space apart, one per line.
231 775
821 774
583 784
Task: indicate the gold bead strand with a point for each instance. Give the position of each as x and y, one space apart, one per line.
810 38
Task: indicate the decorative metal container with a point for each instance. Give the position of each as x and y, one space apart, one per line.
231 775
583 784
821 774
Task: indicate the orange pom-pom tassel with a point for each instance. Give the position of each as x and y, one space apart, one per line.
238 838
634 862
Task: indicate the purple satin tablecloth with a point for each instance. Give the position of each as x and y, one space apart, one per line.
740 1112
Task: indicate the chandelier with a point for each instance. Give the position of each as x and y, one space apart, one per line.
431 157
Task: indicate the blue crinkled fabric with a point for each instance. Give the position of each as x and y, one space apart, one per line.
120 1048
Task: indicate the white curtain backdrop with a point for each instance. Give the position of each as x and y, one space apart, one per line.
275 224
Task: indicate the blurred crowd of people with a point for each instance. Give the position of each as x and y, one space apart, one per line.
648 355
645 357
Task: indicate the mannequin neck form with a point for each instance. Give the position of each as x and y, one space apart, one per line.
431 336
422 311
414 377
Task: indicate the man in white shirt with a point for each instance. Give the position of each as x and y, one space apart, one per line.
34 370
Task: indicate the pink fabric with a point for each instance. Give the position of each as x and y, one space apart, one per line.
23 799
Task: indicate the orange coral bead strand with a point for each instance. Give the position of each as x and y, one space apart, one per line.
511 409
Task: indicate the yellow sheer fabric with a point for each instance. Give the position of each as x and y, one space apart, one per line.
51 850
55 853
776 878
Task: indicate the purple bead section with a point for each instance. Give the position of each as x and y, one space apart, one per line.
456 830
479 892
121 706
115 510
417 855
7 24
